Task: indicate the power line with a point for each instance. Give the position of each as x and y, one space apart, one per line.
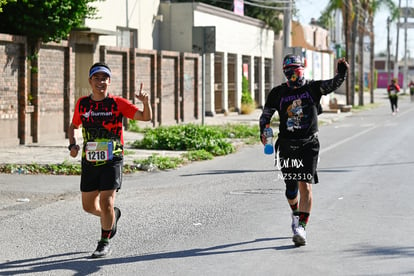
267 7
272 2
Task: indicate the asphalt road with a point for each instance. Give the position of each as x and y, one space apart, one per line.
229 216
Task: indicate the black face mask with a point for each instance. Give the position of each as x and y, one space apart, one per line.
295 76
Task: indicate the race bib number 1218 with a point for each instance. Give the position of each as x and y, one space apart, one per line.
98 151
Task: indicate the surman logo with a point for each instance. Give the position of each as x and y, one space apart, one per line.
96 114
87 115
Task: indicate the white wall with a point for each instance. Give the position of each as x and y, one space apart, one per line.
177 27
309 72
327 66
317 65
234 33
113 13
238 37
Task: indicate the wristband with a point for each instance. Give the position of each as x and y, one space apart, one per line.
70 146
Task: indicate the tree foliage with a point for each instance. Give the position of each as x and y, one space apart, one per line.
44 20
2 3
356 12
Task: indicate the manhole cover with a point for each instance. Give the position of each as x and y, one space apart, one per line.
257 192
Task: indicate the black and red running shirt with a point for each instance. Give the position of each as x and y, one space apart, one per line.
102 120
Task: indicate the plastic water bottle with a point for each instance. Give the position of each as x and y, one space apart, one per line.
268 133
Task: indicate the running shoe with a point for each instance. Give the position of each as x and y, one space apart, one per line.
117 216
299 236
103 250
295 223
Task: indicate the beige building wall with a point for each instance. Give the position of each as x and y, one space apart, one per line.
311 37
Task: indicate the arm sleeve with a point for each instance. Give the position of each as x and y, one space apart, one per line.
268 110
328 86
265 118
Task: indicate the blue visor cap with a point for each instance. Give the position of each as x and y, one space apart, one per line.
99 69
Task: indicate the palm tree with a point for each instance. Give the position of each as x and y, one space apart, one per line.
349 17
355 16
372 8
346 7
361 34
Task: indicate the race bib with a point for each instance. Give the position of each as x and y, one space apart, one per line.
98 151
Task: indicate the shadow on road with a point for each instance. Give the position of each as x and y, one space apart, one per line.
212 172
392 252
352 167
84 265
323 169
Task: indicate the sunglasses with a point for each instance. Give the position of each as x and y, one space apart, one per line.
293 61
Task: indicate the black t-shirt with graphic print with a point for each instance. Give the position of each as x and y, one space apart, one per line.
298 108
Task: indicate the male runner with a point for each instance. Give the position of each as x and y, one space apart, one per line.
100 114
298 104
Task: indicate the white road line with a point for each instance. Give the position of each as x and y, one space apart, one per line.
389 121
325 149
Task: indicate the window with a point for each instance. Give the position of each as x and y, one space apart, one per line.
127 37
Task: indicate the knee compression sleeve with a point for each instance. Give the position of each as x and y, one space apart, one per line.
291 189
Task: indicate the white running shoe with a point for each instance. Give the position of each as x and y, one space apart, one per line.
295 223
299 236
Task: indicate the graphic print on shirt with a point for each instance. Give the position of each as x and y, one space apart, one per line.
296 114
101 120
102 126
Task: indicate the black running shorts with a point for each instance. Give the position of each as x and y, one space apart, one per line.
298 159
102 178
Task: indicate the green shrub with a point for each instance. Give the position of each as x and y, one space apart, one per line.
247 103
64 168
186 137
198 155
239 130
246 96
133 126
160 162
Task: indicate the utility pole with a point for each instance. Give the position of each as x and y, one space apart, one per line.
287 25
388 50
347 49
396 47
127 12
405 81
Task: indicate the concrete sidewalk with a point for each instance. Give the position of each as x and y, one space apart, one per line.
56 152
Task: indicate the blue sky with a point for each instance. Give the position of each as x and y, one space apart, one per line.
380 24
